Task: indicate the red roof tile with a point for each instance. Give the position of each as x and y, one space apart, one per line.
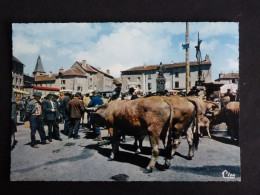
230 76
73 72
87 67
174 65
97 70
46 77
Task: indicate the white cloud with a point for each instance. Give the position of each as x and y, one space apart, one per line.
48 44
233 65
24 46
127 47
119 46
232 47
212 29
64 52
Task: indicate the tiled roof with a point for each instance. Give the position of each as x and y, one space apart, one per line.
46 77
97 70
16 60
230 76
39 66
87 68
166 66
73 72
117 81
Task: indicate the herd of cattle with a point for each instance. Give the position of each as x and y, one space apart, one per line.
167 119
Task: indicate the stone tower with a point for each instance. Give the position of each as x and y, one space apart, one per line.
38 68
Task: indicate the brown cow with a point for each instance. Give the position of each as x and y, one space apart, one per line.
206 109
230 115
204 123
184 112
155 116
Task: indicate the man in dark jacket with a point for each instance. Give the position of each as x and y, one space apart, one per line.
95 100
34 111
66 112
76 108
51 115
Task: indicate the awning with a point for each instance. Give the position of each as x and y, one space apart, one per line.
41 88
232 86
46 88
20 91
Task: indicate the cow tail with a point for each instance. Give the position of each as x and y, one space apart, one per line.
169 132
196 132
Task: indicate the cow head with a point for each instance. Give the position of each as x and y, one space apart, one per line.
101 115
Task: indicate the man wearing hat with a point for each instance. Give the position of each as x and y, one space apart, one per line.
51 115
95 100
34 110
76 109
66 112
131 94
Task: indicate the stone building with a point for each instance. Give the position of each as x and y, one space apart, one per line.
105 81
96 79
72 80
81 77
143 78
228 78
17 73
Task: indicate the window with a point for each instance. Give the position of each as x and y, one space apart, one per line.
63 88
129 79
138 78
139 86
149 76
79 88
176 74
63 81
149 86
90 79
176 84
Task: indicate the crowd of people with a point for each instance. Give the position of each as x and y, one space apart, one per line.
63 108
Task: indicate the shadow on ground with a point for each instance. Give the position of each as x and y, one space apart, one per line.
225 140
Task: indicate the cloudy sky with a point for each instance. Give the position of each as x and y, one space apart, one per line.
120 46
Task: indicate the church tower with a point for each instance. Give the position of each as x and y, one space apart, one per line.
38 68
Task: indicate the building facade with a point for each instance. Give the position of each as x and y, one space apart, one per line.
72 80
228 78
81 77
17 73
143 78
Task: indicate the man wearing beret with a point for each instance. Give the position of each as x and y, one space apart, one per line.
51 115
76 109
34 110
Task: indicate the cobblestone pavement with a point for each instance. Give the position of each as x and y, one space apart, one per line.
216 159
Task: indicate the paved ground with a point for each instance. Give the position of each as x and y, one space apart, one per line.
217 159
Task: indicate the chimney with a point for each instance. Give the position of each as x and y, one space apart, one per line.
61 70
108 71
221 75
84 63
207 57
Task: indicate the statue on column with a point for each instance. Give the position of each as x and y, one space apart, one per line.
160 80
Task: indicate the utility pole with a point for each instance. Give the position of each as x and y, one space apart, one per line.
187 58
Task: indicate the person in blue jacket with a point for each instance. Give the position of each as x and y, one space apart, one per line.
95 100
